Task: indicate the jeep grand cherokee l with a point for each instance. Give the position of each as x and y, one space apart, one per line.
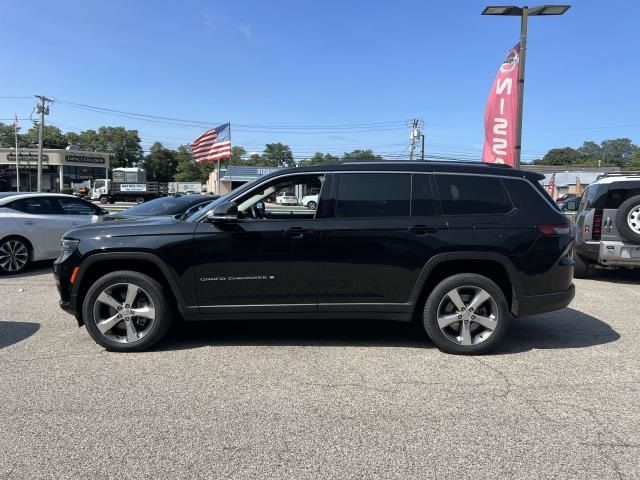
459 247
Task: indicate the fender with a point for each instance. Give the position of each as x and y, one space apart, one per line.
149 257
465 255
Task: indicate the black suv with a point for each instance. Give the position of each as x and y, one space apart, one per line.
459 247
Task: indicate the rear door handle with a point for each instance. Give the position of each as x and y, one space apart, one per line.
297 232
422 229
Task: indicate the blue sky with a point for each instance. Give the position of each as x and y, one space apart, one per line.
302 63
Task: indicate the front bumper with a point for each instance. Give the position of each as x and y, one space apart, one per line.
547 302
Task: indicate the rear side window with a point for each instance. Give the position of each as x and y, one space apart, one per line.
526 195
621 192
472 195
35 206
373 195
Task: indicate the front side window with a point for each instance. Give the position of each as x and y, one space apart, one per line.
35 206
363 195
472 195
294 196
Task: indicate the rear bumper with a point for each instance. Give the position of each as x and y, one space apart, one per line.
619 254
548 302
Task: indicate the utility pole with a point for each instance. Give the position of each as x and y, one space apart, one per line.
422 147
415 135
43 110
15 131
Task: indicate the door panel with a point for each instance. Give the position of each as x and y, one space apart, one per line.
256 265
376 256
364 261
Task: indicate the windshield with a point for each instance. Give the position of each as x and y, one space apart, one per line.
166 206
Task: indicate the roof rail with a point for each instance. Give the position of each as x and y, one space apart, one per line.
629 173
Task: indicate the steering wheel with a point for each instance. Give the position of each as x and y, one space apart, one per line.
257 210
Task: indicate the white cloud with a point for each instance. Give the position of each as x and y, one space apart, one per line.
245 29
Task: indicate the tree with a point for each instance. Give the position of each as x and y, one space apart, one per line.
278 155
7 136
52 137
72 138
634 163
161 163
187 170
590 150
361 155
561 156
236 154
618 151
319 158
122 144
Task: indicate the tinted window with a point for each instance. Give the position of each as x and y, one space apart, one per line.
72 206
472 195
373 195
621 192
35 206
422 202
525 196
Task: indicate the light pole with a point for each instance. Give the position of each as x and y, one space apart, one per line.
524 13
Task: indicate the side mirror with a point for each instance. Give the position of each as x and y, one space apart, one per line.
223 212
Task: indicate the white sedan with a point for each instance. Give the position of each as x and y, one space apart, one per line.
31 225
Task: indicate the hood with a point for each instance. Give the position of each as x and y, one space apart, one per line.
142 226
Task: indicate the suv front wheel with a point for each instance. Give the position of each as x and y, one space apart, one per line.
466 314
126 311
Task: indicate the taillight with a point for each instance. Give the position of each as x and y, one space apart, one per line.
597 225
564 229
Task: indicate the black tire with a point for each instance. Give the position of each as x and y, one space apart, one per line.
629 208
13 252
312 205
139 200
581 267
463 282
158 328
104 199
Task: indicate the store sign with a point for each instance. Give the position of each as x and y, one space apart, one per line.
81 158
133 187
27 157
266 171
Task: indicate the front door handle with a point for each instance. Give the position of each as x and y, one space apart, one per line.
422 229
28 222
297 232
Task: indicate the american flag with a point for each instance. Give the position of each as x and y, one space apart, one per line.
213 145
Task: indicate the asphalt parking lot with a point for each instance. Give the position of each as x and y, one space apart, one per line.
322 399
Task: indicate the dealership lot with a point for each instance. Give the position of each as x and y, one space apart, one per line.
323 399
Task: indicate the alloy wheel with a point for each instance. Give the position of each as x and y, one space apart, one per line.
467 315
124 313
14 255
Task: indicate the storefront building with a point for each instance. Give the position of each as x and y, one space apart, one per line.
235 176
60 168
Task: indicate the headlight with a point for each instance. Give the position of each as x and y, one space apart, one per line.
69 245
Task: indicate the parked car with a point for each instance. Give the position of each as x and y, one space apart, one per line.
181 205
310 201
286 198
569 204
31 225
565 197
607 233
459 247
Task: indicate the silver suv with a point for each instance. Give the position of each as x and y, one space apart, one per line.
607 233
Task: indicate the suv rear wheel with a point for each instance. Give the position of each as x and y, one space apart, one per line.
126 311
466 314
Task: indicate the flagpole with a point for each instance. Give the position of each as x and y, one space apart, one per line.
15 130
